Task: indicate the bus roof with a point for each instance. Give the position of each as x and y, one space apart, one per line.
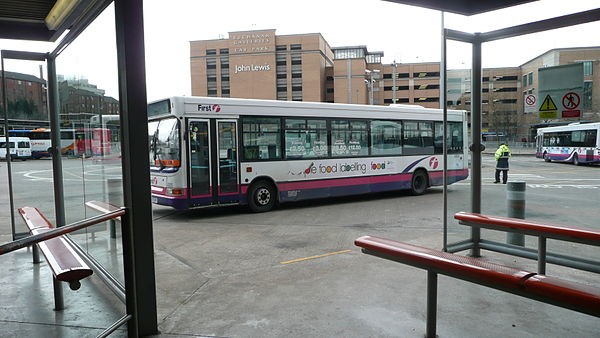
240 107
571 126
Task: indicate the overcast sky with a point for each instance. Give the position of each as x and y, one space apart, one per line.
403 33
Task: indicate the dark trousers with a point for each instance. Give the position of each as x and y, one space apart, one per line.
504 175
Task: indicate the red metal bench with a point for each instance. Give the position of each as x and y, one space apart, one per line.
66 265
527 227
541 230
574 296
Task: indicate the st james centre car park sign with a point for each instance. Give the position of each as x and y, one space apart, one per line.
561 91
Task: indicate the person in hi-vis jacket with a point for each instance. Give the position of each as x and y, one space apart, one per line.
502 155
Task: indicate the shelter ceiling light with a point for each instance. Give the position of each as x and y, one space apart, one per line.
60 11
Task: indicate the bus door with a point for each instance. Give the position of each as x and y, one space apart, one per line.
225 166
213 162
199 163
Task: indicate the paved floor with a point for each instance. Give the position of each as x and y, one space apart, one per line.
220 273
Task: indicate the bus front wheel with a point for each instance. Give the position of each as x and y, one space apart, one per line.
546 157
261 196
576 160
419 182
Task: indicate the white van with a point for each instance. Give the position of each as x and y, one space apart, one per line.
20 148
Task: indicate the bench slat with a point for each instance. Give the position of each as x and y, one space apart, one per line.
66 265
590 236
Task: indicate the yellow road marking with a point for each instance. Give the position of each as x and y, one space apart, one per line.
318 256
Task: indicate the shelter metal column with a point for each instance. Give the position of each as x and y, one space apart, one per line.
476 141
138 243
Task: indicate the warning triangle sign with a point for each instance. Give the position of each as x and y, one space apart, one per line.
548 104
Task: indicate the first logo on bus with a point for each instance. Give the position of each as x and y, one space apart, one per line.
206 107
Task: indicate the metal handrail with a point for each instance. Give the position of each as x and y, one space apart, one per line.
34 239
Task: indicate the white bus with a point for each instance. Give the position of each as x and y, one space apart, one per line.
207 151
576 143
20 147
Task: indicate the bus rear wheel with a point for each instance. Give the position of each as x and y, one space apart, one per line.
419 182
261 196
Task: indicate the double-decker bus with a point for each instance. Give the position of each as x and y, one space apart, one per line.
208 151
88 141
576 143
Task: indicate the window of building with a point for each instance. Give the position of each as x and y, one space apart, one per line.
505 89
330 90
587 68
296 75
281 62
403 100
282 89
426 74
417 138
296 88
281 75
225 91
305 138
530 79
349 53
387 76
211 63
403 75
261 138
295 46
211 79
427 99
281 47
426 86
505 101
349 138
211 52
296 62
587 95
282 95
329 78
373 58
507 77
225 78
485 79
212 92
224 51
386 137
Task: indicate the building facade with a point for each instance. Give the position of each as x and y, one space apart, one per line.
304 67
27 98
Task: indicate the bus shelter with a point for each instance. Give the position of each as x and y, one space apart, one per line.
70 21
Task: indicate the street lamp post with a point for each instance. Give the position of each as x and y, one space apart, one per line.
394 68
370 82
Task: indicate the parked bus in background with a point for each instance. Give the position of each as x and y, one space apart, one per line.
576 143
74 142
222 151
20 148
40 140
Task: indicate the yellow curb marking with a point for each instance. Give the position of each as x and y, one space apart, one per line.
313 257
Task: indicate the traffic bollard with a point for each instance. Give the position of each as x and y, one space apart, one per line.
515 197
